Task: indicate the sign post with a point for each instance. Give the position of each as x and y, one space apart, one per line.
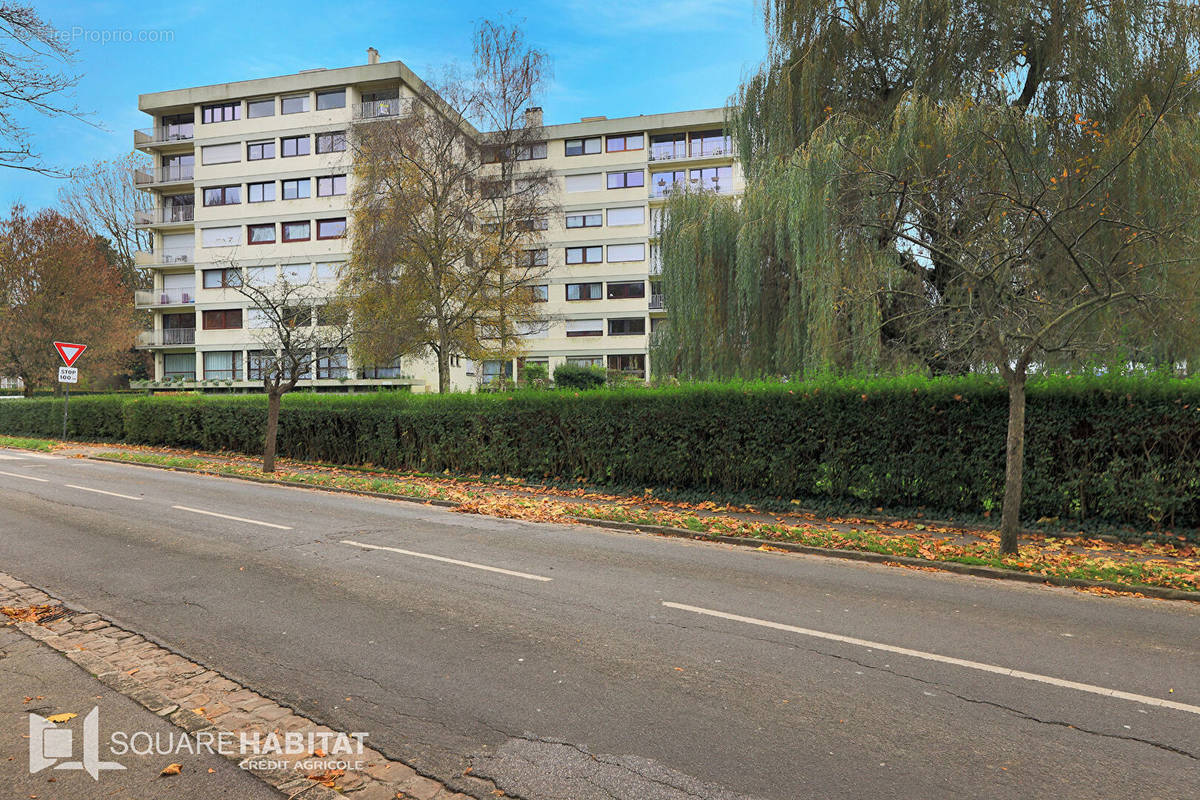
68 374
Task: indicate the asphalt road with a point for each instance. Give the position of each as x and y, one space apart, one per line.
571 663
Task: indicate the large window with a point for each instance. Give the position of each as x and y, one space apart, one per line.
223 196
585 327
626 216
329 271
590 182
224 319
532 152
296 231
625 141
661 183
626 290
260 276
391 371
331 185
634 364
331 228
668 146
583 147
331 364
331 142
290 146
221 237
263 107
221 153
585 219
635 326
257 151
585 255
540 293
223 366
179 168
626 252
294 104
222 112
259 362
585 291
709 143
261 234
225 278
297 189
179 365
534 258
261 192
713 179
335 98
626 180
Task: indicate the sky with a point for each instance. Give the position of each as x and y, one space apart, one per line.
616 58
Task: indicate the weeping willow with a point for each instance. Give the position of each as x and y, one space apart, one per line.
831 262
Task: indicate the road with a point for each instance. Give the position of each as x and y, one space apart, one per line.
567 662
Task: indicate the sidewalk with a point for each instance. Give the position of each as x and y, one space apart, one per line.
34 679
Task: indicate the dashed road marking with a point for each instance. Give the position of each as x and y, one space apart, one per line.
443 559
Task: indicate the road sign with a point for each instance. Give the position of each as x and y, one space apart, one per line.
69 352
68 375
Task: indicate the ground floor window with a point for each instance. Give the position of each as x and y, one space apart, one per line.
390 371
494 369
634 364
331 364
179 365
223 366
585 361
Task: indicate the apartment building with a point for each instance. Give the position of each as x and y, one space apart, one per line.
251 180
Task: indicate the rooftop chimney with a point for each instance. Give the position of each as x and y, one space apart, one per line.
372 55
533 117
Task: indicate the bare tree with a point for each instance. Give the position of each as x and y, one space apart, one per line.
33 60
295 325
102 197
446 220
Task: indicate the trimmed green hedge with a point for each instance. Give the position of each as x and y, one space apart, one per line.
1116 451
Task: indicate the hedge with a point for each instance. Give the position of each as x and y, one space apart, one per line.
1118 451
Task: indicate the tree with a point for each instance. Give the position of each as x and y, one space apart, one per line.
102 197
56 283
446 220
295 326
33 58
932 185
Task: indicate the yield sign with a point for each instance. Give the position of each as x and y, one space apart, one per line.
69 352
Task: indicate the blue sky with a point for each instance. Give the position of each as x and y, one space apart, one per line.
613 58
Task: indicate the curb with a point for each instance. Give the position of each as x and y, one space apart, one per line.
1158 592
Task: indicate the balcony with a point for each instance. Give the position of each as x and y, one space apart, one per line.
697 150
166 297
176 173
144 138
383 109
167 337
164 215
662 189
656 300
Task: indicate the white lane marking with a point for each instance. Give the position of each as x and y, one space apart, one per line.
958 662
445 560
26 477
101 491
235 519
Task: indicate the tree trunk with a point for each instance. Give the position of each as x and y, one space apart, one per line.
273 399
443 367
1014 469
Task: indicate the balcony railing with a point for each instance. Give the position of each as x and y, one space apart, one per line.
166 297
678 152
175 172
656 300
380 109
165 215
164 134
167 337
665 189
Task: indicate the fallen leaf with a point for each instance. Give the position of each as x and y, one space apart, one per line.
171 769
56 718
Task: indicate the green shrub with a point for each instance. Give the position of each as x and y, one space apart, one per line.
573 376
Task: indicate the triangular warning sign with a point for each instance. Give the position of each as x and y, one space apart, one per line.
69 352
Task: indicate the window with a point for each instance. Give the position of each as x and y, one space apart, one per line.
585 361
393 370
296 317
532 152
261 234
583 147
332 316
661 183
584 255
223 196
226 278
709 143
635 364
584 183
178 168
626 252
625 141
221 237
221 153
532 330
179 365
297 189
331 228
330 272
226 319
331 364
626 180
257 151
668 146
223 366
585 219
492 370
335 98
585 327
635 326
585 291
534 258
223 112
259 362
298 273
331 185
290 146
260 276
332 142
540 293
626 290
714 179
264 107
294 104
257 319
626 216
261 192
296 231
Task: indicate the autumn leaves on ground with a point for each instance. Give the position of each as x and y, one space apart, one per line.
1170 564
